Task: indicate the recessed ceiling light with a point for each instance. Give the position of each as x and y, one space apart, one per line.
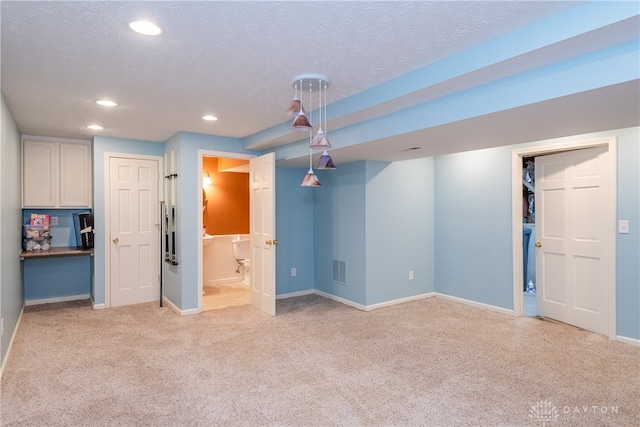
210 118
95 127
106 103
145 27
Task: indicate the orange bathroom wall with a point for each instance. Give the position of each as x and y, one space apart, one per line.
226 209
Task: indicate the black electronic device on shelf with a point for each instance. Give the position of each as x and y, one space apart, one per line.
83 224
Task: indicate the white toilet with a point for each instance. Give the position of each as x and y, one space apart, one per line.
241 250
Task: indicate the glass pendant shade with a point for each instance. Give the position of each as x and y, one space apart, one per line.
320 141
301 123
310 180
295 106
325 161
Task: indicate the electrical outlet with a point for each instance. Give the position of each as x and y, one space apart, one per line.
623 226
410 274
293 272
54 220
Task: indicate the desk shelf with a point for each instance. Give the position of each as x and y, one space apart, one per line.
56 251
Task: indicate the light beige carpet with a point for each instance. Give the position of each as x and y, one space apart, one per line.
318 363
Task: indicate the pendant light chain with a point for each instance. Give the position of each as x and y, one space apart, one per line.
325 108
311 128
320 103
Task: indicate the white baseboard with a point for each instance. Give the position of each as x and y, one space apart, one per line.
400 301
295 294
627 340
97 306
475 304
13 336
367 307
175 308
340 300
57 299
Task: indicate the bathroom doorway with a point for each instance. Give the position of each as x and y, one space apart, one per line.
225 223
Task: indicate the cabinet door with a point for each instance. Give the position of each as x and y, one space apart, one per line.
75 175
39 174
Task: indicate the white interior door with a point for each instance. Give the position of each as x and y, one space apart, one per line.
571 238
133 227
262 230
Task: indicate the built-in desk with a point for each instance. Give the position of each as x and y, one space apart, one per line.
59 274
56 251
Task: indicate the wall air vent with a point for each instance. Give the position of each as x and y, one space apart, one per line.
340 272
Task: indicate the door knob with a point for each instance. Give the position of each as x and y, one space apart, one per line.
538 245
271 242
115 240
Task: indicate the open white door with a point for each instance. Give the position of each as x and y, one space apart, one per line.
133 230
262 230
572 259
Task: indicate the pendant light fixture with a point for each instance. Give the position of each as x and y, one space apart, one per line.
320 141
301 122
295 106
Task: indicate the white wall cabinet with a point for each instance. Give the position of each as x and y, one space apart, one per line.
56 174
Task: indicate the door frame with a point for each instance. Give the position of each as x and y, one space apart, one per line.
107 214
610 216
201 155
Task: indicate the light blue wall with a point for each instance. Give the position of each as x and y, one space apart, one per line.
63 234
399 229
183 279
101 146
628 245
473 226
55 277
378 217
61 276
339 230
473 238
172 288
11 295
294 232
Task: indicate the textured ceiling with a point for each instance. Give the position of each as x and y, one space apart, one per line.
231 59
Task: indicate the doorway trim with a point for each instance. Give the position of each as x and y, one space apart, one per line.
201 155
610 216
107 214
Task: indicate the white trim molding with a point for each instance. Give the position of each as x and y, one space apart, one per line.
340 300
631 341
175 308
355 304
610 215
57 299
13 337
400 301
296 294
475 304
